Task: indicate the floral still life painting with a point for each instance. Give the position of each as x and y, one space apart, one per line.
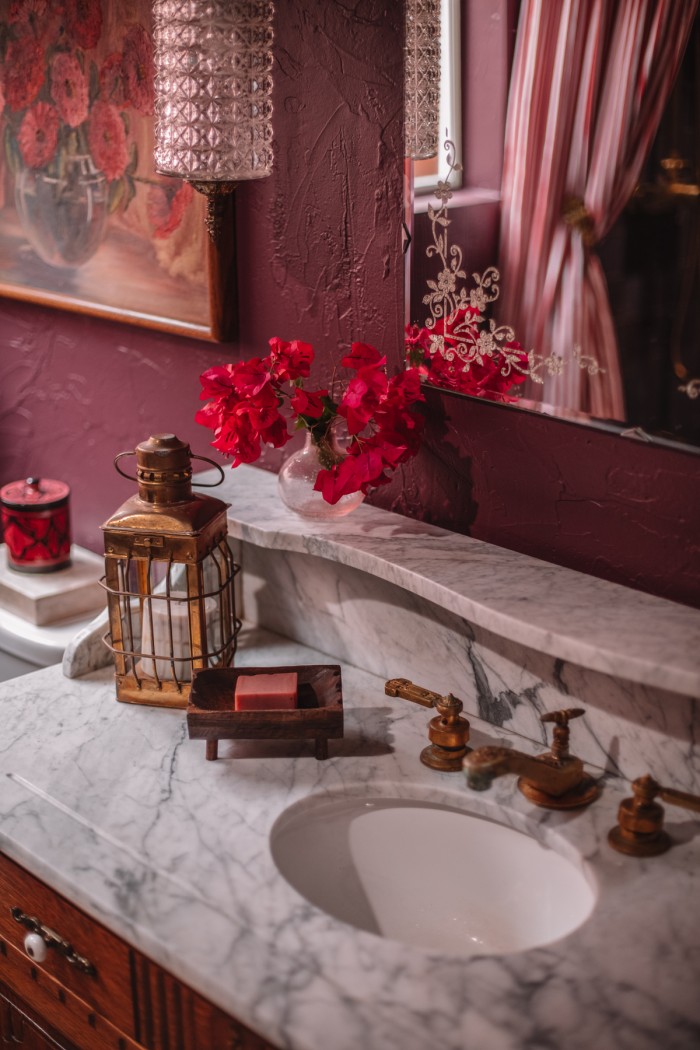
85 222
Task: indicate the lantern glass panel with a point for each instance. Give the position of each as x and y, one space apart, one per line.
173 614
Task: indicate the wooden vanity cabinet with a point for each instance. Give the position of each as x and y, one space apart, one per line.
111 998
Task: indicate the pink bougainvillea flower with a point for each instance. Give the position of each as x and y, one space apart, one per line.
250 377
38 135
217 381
242 424
308 402
24 72
107 140
361 355
244 410
360 471
69 89
83 21
166 209
342 479
289 361
137 69
112 81
364 392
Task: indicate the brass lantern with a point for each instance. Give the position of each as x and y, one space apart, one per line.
169 577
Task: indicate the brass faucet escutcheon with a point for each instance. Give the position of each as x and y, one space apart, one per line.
448 732
556 780
640 828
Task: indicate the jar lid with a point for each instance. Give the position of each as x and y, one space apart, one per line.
34 492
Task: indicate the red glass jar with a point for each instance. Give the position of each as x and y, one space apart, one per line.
36 524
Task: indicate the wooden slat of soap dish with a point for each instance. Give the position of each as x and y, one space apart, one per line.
211 715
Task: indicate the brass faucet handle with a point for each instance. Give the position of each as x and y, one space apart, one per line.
406 690
563 717
640 828
560 737
680 798
448 732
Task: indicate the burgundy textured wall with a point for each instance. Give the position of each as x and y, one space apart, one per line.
571 494
319 259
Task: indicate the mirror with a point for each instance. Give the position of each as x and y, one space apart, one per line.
559 271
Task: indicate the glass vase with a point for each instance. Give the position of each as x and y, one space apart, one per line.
63 216
298 475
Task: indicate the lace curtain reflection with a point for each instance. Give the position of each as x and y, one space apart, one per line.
590 82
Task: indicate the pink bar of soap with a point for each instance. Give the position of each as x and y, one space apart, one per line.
266 692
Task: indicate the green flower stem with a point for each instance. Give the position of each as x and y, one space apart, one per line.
328 456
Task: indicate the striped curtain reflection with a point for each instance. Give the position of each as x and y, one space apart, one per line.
589 85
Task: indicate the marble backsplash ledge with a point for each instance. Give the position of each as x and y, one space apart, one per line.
567 614
512 636
629 728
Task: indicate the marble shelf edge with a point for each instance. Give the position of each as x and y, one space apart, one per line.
565 614
556 611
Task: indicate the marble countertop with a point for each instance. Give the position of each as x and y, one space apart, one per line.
115 807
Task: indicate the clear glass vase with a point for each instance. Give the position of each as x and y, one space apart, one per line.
63 216
296 479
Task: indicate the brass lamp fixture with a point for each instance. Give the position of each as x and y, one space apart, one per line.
213 87
169 577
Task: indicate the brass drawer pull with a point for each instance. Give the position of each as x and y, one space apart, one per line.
52 940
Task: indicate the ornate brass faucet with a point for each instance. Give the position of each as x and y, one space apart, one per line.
448 732
556 780
640 831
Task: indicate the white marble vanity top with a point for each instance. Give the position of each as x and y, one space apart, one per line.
116 808
566 614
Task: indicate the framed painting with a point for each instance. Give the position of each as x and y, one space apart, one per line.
86 224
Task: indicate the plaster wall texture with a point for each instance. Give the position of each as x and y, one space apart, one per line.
319 258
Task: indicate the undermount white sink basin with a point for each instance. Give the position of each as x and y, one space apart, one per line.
429 875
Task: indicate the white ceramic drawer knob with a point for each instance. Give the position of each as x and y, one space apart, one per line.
35 947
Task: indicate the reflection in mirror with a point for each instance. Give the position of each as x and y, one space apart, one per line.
581 183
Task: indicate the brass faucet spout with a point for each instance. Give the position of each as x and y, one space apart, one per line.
556 780
484 764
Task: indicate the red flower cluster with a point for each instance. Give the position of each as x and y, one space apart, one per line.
245 410
244 402
384 405
484 377
60 98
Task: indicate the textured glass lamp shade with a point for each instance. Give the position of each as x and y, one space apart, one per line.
213 84
422 78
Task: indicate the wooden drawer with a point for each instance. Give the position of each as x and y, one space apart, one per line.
109 990
129 1004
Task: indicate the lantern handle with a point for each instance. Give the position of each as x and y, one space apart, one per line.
209 484
199 484
118 469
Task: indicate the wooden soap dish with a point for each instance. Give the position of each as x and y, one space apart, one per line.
319 716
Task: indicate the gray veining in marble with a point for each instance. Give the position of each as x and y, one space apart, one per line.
629 728
115 807
395 597
568 615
